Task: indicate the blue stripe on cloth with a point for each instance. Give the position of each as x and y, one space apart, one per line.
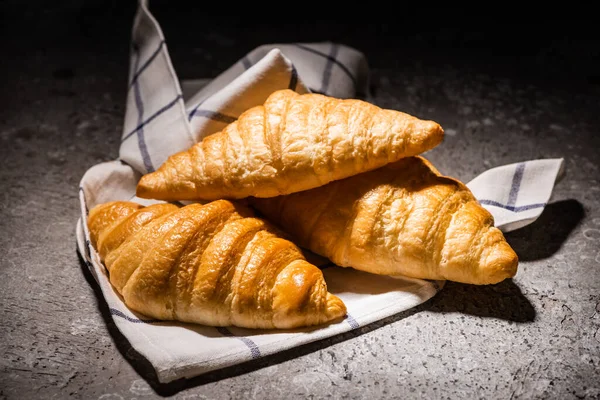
140 107
246 62
328 66
254 350
352 322
118 313
516 184
146 64
512 208
152 117
293 79
333 60
213 115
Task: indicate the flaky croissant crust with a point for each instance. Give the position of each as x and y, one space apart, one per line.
289 144
401 219
213 264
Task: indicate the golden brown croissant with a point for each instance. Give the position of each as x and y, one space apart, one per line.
402 219
212 264
291 143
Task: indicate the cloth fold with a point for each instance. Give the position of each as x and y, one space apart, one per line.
164 115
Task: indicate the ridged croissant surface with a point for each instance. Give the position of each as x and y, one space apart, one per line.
212 264
290 143
402 219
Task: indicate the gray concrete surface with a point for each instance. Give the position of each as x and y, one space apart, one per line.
63 76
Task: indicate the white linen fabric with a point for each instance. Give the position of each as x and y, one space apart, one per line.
161 119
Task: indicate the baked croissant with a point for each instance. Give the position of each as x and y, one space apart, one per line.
402 219
212 264
293 142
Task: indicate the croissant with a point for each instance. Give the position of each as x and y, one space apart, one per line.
402 219
214 264
293 142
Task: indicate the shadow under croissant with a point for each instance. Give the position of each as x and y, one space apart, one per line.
503 300
546 235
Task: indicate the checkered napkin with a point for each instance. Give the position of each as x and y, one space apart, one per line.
164 116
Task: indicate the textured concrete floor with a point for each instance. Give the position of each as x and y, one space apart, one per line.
536 336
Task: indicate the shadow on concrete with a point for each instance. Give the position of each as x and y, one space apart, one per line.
545 236
503 300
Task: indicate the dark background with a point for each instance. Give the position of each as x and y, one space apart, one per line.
550 45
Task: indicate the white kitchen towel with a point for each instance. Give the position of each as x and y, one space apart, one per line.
161 119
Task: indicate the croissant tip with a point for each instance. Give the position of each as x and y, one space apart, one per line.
439 130
335 307
436 131
501 265
145 187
